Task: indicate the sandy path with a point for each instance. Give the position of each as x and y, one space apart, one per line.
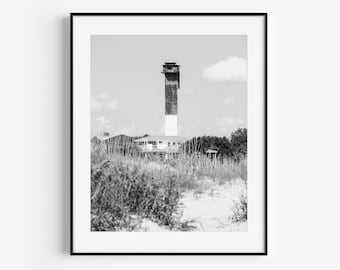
209 210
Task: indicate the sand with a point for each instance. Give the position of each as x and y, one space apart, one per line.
207 211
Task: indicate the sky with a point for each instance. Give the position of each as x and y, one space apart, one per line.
127 86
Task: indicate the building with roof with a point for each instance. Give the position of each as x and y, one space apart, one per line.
160 144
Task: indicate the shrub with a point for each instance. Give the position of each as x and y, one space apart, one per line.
121 191
240 210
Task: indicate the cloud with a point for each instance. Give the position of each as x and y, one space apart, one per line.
231 69
102 121
101 124
103 103
228 124
228 100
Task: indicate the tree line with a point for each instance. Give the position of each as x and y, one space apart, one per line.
234 147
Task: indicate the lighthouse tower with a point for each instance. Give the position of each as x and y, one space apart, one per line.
171 72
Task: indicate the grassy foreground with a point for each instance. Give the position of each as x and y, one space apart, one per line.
127 188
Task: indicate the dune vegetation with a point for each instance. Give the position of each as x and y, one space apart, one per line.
128 188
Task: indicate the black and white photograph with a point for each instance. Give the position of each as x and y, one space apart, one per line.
169 133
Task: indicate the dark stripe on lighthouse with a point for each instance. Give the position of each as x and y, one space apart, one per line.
171 72
171 99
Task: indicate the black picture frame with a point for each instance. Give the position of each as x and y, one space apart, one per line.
265 252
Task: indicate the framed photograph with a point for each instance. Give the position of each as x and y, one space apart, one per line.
169 134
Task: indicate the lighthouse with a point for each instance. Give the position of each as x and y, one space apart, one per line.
167 146
172 84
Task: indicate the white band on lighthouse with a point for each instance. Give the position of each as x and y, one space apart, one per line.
171 125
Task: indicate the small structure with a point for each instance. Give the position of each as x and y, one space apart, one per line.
101 139
164 145
211 153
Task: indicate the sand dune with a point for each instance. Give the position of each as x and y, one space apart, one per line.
209 210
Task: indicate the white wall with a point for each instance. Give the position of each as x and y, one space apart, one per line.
304 131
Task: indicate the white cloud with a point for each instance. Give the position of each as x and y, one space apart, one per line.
103 103
228 124
231 69
101 124
102 121
228 100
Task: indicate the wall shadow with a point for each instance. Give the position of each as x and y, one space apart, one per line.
66 138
